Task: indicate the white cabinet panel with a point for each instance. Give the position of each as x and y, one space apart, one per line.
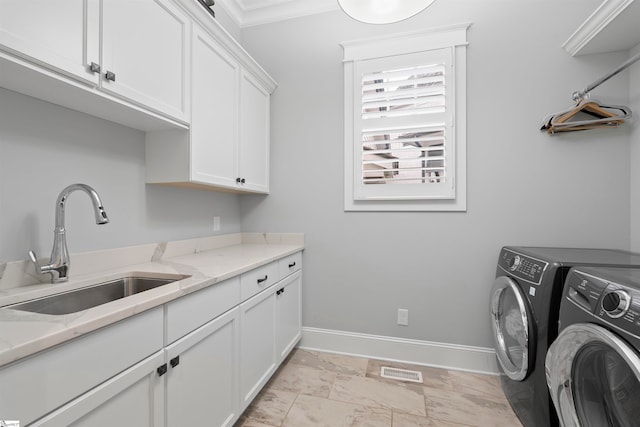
289 316
257 343
202 387
214 112
145 46
254 134
61 34
134 398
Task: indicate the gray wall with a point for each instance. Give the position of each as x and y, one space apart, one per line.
634 103
524 187
44 148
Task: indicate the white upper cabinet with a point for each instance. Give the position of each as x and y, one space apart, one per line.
63 35
145 54
612 27
214 120
253 161
122 60
227 147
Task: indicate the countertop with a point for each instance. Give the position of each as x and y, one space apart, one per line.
208 261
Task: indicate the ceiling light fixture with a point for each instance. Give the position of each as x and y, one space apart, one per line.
383 11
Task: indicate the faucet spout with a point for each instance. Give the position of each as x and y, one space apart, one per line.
60 261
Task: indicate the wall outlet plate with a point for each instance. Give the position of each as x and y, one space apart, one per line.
403 317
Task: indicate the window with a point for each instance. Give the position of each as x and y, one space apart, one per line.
405 142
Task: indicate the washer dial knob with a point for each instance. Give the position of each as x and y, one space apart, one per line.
616 303
514 263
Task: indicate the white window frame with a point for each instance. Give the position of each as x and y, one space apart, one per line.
358 52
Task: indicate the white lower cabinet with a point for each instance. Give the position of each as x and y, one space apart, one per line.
288 315
197 361
134 397
257 343
202 376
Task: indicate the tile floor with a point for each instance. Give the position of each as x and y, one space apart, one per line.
330 390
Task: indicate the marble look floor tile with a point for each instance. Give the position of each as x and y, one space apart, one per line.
338 363
248 422
309 411
303 380
478 384
407 420
468 409
269 407
431 377
405 397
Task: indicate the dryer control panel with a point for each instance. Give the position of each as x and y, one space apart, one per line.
522 266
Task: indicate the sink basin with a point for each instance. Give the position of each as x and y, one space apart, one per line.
92 296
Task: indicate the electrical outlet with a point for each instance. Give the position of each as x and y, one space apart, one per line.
403 317
216 223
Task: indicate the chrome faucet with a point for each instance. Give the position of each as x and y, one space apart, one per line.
58 266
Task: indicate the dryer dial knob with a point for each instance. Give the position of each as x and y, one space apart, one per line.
514 263
616 303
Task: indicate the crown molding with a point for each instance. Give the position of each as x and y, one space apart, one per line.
267 11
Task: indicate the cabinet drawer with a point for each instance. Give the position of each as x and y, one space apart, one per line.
194 310
258 279
289 264
39 384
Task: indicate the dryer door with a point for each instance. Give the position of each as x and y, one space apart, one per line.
594 378
513 330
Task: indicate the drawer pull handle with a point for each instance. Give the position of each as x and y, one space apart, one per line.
162 370
175 361
292 264
280 291
263 279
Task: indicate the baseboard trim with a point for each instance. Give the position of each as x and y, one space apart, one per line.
440 355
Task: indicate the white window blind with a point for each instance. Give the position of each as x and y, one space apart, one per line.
403 124
405 121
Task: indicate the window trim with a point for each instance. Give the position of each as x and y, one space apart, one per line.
454 37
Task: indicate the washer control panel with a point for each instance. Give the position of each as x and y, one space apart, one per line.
522 266
610 299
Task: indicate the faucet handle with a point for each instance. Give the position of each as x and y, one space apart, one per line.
34 259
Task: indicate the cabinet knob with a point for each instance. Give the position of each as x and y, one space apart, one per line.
242 181
110 75
238 180
94 68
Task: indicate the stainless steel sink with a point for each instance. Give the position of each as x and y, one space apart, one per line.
92 296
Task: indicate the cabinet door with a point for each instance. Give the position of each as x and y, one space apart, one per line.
257 343
202 381
289 319
254 134
214 113
63 34
145 46
133 398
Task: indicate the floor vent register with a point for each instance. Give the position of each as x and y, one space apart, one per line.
401 374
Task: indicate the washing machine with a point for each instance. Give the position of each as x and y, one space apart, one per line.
525 301
593 367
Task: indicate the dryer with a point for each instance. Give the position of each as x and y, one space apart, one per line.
593 367
525 301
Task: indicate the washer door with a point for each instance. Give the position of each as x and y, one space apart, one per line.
594 378
513 330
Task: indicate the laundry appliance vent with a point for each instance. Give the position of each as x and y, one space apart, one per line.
401 374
